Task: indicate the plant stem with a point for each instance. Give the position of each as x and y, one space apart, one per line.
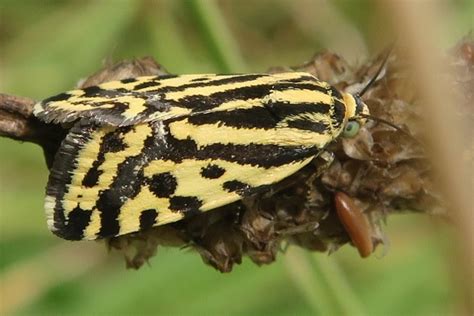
338 285
220 41
313 288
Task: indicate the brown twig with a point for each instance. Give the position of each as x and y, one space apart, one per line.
15 117
18 122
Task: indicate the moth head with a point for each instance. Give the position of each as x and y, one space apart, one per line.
356 113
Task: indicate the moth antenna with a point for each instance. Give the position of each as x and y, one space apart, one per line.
373 118
374 78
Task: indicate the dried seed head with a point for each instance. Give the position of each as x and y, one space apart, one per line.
382 170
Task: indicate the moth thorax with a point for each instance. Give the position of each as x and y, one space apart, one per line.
354 106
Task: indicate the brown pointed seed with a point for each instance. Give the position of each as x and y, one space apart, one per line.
355 222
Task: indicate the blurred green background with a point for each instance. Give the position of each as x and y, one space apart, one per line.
46 46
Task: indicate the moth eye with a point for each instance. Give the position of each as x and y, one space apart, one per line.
351 129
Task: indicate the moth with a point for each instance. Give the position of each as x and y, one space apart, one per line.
147 151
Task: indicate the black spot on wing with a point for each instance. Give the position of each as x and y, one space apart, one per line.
78 220
147 84
197 102
59 97
97 91
163 185
185 204
162 77
92 175
108 205
237 187
113 142
243 189
148 218
128 80
212 171
200 79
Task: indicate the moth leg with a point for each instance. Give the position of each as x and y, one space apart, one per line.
326 158
322 163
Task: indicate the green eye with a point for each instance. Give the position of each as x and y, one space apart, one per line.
351 129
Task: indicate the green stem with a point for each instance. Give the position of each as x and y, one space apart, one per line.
310 285
338 285
220 41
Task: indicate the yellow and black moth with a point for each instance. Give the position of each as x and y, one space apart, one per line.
147 151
